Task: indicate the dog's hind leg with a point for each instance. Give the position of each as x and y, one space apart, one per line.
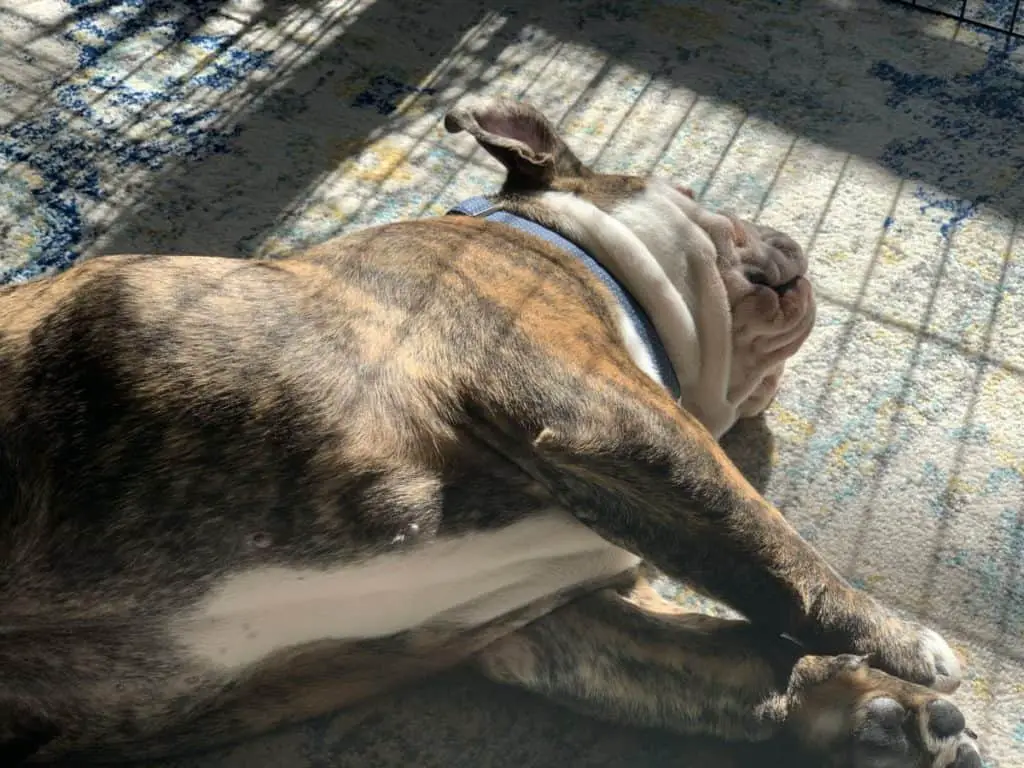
612 656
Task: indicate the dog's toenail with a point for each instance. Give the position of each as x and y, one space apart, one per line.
967 757
944 719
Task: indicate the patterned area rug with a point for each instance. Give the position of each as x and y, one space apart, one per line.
888 142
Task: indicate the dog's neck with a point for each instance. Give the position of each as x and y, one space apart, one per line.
642 338
666 262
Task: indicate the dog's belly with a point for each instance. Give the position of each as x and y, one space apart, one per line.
460 582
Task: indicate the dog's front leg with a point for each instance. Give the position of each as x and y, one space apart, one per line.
623 659
645 475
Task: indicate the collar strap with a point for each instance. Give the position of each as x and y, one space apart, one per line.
485 208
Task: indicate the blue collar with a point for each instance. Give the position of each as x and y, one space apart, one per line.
482 207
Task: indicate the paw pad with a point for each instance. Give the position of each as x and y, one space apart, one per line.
944 719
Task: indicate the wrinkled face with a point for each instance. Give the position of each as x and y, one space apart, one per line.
750 281
770 298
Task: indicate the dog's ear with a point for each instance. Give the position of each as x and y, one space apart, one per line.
519 137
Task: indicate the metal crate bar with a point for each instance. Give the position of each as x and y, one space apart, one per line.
1014 26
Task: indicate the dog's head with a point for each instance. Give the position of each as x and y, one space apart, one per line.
729 297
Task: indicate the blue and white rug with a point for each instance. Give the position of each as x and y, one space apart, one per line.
890 143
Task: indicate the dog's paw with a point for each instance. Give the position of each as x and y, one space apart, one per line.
890 732
915 653
853 716
942 663
856 623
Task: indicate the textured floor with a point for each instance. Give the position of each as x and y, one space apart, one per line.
887 142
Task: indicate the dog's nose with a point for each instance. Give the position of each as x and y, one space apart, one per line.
786 247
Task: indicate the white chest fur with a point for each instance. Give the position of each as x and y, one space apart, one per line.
466 580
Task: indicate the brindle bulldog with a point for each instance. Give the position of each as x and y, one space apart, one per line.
235 494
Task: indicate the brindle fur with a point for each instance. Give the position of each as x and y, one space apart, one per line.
165 421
